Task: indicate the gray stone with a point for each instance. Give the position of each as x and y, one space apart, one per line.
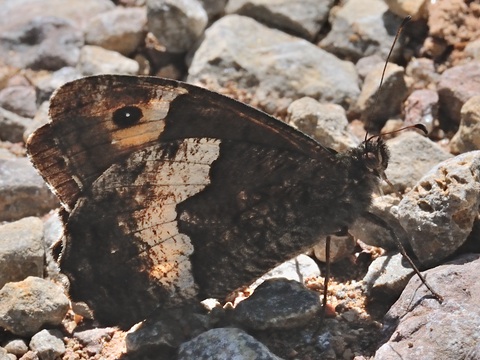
439 212
93 339
368 23
225 344
95 60
297 269
213 7
457 85
120 29
422 328
387 277
304 18
47 43
412 155
17 347
467 137
273 67
46 84
472 50
421 107
421 74
12 126
48 344
21 100
21 250
177 24
326 123
377 104
29 305
367 64
22 191
278 304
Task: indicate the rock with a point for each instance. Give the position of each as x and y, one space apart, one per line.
120 29
176 24
29 305
421 107
467 137
417 9
377 104
17 347
257 63
224 344
326 123
22 100
47 43
12 126
421 74
15 13
213 7
297 269
49 82
22 191
48 344
278 304
472 50
21 250
411 156
457 85
95 60
93 339
439 212
387 277
361 28
366 64
340 247
304 18
420 327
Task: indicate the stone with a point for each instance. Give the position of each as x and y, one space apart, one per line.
47 43
31 304
21 250
467 137
456 86
21 100
377 104
49 82
326 123
419 327
93 339
341 247
95 60
421 107
12 126
177 24
257 63
417 9
213 7
225 344
439 212
297 269
421 74
17 347
412 155
48 344
387 277
303 18
361 28
22 191
278 304
120 29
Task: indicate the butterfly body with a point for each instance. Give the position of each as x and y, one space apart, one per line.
173 192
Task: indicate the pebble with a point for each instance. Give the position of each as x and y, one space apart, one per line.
12 126
419 327
467 137
48 344
303 18
17 347
417 9
326 123
439 212
278 304
225 344
265 54
21 250
421 107
22 191
96 60
22 100
23 314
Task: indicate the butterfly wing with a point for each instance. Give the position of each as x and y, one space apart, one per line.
97 121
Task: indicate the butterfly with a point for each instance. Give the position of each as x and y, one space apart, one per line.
171 192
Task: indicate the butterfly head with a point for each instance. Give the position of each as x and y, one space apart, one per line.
376 155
